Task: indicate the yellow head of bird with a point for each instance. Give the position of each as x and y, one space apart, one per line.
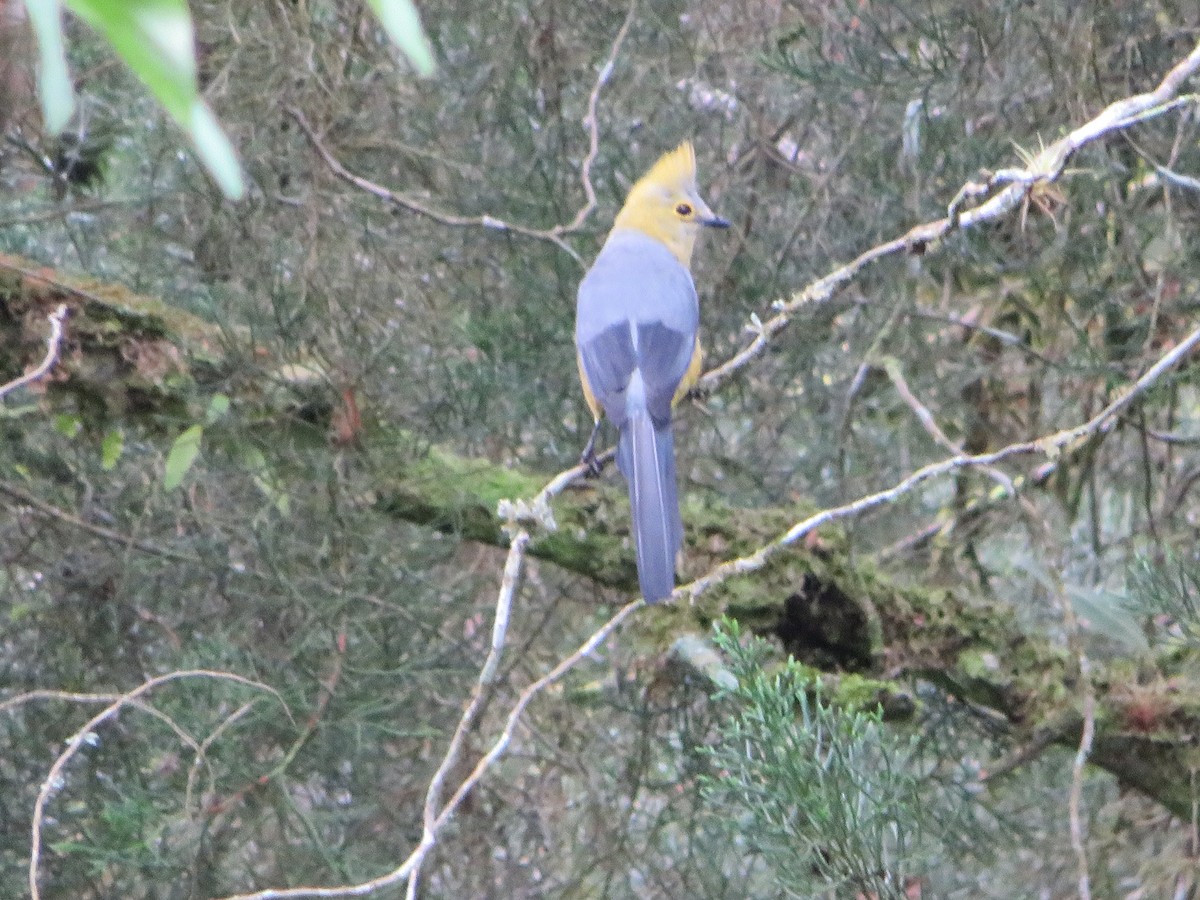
666 204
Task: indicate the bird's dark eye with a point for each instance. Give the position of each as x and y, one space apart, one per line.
684 209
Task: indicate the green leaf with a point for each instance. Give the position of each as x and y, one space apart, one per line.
183 453
111 449
279 499
215 150
400 20
252 458
54 85
67 424
156 40
217 407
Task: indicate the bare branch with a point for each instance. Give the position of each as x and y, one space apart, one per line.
53 512
1014 184
925 417
54 778
416 206
53 341
1052 446
892 367
592 124
554 235
1075 801
1044 736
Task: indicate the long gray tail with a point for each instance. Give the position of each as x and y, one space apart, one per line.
646 456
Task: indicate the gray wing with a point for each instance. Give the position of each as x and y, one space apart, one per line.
637 310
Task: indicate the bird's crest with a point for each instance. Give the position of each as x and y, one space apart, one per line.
665 204
674 169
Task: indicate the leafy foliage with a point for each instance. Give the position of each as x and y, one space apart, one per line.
1168 589
824 793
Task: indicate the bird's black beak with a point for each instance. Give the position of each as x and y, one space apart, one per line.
714 222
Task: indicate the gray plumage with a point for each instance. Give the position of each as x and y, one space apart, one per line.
635 330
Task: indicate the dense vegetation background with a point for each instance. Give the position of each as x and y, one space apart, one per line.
367 374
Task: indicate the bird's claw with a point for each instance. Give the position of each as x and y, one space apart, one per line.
587 458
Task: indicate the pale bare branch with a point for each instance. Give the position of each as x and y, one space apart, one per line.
1052 446
554 235
487 676
53 341
417 206
929 423
1084 751
592 124
54 777
1013 185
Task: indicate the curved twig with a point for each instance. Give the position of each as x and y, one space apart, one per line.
54 777
53 342
555 235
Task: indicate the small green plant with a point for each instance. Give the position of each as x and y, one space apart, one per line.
1168 591
822 793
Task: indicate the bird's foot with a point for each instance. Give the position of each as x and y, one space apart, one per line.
587 458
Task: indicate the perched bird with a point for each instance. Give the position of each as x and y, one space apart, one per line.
637 338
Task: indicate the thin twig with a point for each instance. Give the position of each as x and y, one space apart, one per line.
554 235
201 755
892 367
71 697
592 124
53 342
108 534
1044 736
1006 338
1013 184
54 778
413 205
1075 802
54 213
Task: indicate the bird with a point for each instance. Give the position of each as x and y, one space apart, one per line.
637 341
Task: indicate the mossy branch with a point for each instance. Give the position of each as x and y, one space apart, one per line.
140 359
